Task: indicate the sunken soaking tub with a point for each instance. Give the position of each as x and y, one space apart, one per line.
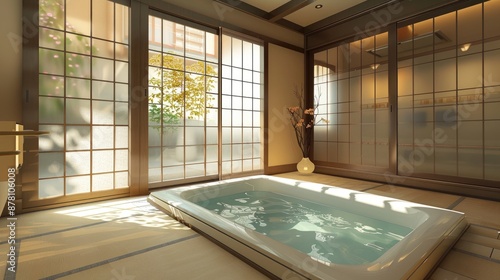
300 230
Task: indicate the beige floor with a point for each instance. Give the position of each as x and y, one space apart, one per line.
129 239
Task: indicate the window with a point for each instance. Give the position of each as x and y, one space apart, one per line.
183 94
242 105
83 97
449 95
351 81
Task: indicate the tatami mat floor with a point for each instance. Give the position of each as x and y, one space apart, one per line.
127 239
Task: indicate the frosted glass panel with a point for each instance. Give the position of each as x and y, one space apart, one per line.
405 81
54 141
121 92
469 24
213 169
102 25
121 71
102 90
236 151
247 55
50 188
491 73
446 161
237 58
319 151
423 78
77 43
382 84
423 159
226 117
103 69
173 173
102 112
121 180
332 151
102 182
368 133
355 153
470 163
78 16
51 165
154 157
51 85
491 16
256 135
77 111
332 129
194 154
247 151
121 113
470 71
194 136
121 139
226 135
471 134
247 135
423 132
492 111
76 185
154 175
343 153
196 170
51 39
172 136
78 65
102 161
102 137
492 134
212 154
320 133
51 110
173 156
77 137
445 77
79 88
51 62
103 48
257 150
343 133
121 160
77 163
405 134
492 164
405 161
237 135
368 153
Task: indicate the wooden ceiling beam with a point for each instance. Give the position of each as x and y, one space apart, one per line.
286 9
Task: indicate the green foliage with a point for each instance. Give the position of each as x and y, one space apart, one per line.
179 89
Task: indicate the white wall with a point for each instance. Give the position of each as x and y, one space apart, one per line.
11 60
285 71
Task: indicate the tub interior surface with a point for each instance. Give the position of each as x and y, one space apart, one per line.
232 213
323 232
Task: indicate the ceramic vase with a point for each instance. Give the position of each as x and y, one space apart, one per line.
305 166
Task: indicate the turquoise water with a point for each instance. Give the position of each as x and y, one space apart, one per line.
323 232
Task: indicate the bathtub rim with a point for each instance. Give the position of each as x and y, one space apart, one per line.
286 264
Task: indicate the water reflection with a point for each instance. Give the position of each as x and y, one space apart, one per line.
323 232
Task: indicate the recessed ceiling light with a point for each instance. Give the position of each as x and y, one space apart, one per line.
319 6
465 47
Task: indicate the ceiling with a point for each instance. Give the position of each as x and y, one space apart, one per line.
295 14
